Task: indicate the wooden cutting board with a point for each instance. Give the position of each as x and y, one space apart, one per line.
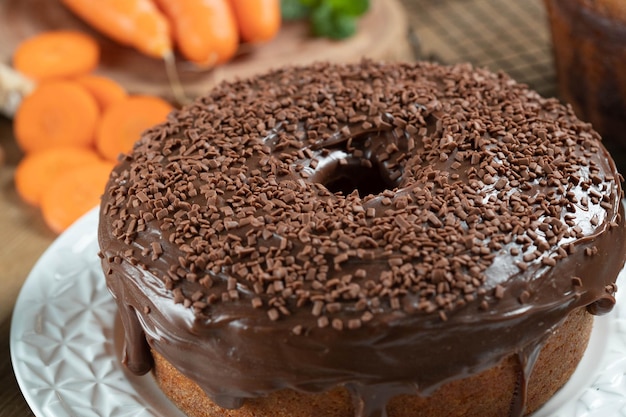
382 34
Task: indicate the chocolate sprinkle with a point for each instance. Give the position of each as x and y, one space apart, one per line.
256 193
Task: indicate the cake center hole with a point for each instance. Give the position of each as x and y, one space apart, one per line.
354 176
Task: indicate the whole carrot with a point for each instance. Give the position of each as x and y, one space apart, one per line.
258 20
136 23
205 31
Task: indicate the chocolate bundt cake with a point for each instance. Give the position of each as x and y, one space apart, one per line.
363 240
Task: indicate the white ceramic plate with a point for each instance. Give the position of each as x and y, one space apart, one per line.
65 346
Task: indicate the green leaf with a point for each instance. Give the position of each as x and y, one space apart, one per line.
344 26
349 7
330 23
335 19
321 20
294 9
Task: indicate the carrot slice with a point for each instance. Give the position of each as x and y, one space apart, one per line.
258 20
105 90
57 113
37 171
56 54
124 122
73 194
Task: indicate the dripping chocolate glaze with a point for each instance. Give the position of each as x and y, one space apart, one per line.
367 225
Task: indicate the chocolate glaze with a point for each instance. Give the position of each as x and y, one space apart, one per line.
381 343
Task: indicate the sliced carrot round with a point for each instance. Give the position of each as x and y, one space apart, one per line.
57 113
56 54
124 122
105 90
73 194
38 170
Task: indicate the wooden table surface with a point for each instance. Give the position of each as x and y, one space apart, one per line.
24 237
18 253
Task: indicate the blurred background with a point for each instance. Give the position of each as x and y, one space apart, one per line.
502 35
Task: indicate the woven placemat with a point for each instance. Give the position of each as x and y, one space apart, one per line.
501 35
